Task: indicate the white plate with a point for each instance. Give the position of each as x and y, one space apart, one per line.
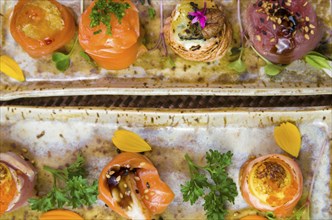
54 136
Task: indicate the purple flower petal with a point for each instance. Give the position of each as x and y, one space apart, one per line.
195 20
192 13
202 22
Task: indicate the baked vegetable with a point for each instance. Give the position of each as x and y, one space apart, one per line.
17 180
272 183
282 31
109 31
60 214
41 26
130 185
198 31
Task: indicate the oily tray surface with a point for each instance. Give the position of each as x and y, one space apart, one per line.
155 74
58 135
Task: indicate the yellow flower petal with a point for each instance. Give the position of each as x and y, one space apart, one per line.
129 141
9 67
288 138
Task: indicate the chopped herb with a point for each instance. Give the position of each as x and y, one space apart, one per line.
152 13
216 192
101 13
70 188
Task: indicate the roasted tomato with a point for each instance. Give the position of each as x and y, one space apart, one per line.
17 179
282 31
114 51
192 41
41 26
130 185
60 214
272 183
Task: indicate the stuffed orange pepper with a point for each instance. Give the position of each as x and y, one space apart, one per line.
41 26
60 214
130 185
109 31
272 183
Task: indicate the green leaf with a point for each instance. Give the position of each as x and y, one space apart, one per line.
317 61
270 216
76 168
62 61
238 66
272 69
88 58
151 12
63 65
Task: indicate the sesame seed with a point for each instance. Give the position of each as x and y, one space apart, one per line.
312 26
121 195
288 4
272 40
274 27
306 29
118 179
146 197
279 21
305 4
137 178
258 37
25 150
268 18
152 193
108 176
111 173
307 18
125 185
312 32
306 36
146 191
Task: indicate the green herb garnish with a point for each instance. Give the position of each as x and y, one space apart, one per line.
319 61
238 64
88 58
70 188
152 13
101 13
270 69
215 192
61 60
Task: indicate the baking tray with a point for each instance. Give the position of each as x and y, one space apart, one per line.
58 135
154 74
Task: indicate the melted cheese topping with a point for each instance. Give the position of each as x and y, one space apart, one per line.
272 182
40 19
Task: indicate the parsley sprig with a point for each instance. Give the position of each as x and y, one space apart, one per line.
70 189
216 190
101 13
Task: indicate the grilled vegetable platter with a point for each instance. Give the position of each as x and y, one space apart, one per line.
206 47
69 163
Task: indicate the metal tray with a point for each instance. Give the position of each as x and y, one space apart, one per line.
59 133
153 74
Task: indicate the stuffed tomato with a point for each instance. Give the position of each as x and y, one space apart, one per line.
112 41
17 180
272 183
130 185
41 26
282 31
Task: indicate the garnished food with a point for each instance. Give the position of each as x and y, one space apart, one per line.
109 31
17 180
221 188
41 26
282 31
130 185
60 214
288 138
70 189
9 67
198 31
272 183
129 141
